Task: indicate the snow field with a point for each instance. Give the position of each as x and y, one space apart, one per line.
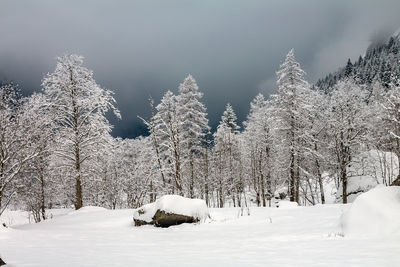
287 236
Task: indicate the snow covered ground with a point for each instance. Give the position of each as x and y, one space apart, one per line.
17 217
287 236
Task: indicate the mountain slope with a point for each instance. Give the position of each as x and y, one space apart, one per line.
378 64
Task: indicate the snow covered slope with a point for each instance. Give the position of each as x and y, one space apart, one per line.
286 236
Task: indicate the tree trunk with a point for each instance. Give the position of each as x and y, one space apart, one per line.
268 177
292 179
78 182
206 175
78 192
239 201
206 194
151 192
258 199
311 192
155 143
321 185
221 200
42 196
262 182
264 203
297 179
343 172
177 177
321 188
343 175
292 156
2 178
396 182
191 184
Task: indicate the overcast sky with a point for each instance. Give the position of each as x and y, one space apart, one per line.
143 48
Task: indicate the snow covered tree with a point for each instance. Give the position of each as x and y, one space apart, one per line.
156 137
261 139
164 128
388 116
193 128
79 106
15 147
288 102
227 158
313 148
167 129
142 184
228 119
346 125
35 181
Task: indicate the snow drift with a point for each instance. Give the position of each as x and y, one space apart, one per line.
172 204
374 212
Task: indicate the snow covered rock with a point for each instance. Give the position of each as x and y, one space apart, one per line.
171 210
396 182
374 212
2 262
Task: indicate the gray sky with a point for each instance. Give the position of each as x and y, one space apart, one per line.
143 48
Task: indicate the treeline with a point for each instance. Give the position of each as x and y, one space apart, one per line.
56 149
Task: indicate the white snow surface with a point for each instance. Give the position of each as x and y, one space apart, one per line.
196 208
376 212
285 236
17 217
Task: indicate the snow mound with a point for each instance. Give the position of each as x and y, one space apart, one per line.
196 208
374 212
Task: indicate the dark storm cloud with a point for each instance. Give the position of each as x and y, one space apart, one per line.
142 48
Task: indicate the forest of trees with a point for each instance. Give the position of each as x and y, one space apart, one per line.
379 64
56 149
